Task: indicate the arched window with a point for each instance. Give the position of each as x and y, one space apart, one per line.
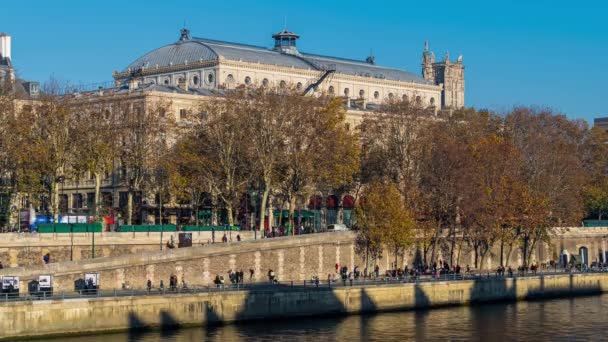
265 82
390 96
405 98
331 90
283 84
229 79
346 91
361 93
210 78
166 81
247 80
432 101
418 100
195 80
376 95
299 86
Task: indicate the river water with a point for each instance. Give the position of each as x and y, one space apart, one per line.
579 319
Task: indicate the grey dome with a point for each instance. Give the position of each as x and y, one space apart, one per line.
182 52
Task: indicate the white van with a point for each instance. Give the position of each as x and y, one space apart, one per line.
337 227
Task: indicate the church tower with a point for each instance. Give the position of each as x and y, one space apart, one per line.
446 73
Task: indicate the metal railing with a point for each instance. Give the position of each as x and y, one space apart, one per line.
284 285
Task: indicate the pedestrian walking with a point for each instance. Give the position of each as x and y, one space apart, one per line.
149 285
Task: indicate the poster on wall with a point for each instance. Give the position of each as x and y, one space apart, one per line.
92 279
7 282
45 282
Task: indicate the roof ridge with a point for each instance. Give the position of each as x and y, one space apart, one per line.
231 43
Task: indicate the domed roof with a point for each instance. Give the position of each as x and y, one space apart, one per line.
192 50
181 52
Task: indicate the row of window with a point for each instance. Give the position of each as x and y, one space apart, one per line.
391 96
265 82
230 80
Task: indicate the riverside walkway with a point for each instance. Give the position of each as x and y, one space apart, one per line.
283 285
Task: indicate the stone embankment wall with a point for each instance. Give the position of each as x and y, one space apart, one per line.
18 249
291 258
73 316
134 258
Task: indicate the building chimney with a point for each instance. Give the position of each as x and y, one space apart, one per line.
5 45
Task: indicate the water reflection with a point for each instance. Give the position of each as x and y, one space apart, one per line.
580 319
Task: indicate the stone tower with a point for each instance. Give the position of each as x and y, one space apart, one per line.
446 73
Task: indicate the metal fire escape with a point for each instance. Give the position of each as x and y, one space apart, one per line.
328 69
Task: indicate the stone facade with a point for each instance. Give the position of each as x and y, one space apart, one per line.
73 316
292 258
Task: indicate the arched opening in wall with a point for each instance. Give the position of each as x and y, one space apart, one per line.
299 86
583 254
314 207
418 100
391 96
361 93
432 102
376 95
346 91
331 90
247 80
283 84
332 209
348 206
229 79
405 98
210 78
166 81
204 210
195 80
265 83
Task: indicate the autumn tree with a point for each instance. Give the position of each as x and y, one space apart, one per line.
95 148
320 151
142 134
383 219
218 147
551 147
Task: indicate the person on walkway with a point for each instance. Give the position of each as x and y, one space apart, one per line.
184 285
161 286
149 285
251 272
377 271
225 239
351 277
1 266
238 238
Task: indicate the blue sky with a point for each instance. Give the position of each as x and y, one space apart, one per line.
540 53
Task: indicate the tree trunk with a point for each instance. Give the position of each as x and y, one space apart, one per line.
229 214
435 241
502 247
292 208
263 203
130 207
97 196
476 250
55 200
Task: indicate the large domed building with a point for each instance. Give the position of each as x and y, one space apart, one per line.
199 63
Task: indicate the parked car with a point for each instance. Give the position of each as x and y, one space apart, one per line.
337 227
